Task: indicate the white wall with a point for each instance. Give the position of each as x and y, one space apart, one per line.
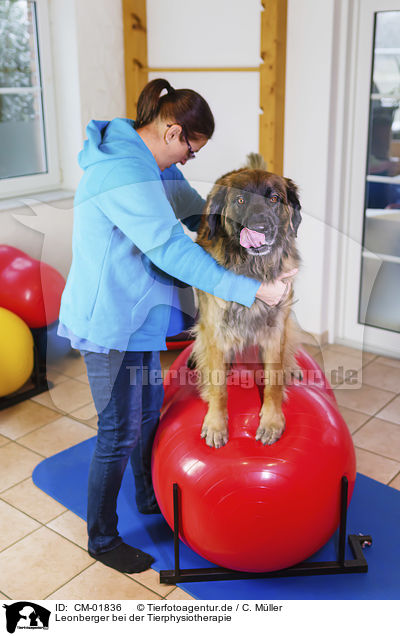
308 113
88 60
212 35
42 228
101 59
66 87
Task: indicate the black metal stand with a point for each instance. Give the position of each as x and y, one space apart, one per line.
38 379
306 568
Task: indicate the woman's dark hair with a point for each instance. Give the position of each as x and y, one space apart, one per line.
182 106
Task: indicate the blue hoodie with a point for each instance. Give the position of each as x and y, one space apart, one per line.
128 245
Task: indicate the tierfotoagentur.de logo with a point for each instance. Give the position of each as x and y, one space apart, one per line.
26 615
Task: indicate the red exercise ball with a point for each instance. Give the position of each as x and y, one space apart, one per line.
246 506
7 254
31 290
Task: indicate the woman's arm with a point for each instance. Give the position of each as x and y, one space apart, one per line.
186 202
140 209
142 212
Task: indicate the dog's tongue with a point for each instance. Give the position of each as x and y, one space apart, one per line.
251 238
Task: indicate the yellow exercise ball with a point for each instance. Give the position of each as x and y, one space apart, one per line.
16 352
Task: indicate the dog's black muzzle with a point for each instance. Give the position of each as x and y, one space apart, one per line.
265 222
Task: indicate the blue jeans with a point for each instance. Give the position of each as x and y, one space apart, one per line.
127 391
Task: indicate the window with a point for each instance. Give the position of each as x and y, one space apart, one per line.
27 132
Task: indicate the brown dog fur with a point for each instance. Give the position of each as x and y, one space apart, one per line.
246 198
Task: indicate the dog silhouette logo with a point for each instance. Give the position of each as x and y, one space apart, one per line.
26 615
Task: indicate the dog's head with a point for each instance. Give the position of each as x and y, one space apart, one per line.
256 210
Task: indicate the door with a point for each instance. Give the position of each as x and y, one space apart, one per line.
370 308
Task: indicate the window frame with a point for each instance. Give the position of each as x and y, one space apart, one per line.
29 184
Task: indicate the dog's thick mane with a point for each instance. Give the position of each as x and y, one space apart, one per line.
270 203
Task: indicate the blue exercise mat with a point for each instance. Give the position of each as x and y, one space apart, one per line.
374 510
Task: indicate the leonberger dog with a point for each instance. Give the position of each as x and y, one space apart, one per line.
249 226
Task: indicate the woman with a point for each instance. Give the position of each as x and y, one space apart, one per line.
128 247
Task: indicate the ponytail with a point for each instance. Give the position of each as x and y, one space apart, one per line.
182 106
149 101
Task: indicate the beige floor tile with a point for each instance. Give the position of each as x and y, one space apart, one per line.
366 399
87 414
39 564
16 464
102 583
82 378
71 527
395 483
71 365
339 366
55 377
66 397
382 375
33 501
393 362
179 595
345 356
312 350
25 417
151 579
57 436
375 466
391 412
381 437
92 422
14 525
351 351
353 419
4 440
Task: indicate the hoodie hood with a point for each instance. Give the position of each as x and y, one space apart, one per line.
107 140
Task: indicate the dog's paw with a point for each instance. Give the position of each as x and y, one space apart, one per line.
191 362
270 430
215 439
214 435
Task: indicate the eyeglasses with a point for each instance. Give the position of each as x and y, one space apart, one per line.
191 152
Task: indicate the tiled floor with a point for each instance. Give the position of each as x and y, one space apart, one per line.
43 545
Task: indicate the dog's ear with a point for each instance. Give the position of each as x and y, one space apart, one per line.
293 199
216 205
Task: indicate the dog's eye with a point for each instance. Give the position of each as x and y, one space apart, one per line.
274 198
240 200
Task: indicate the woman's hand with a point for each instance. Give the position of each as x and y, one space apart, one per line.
273 293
